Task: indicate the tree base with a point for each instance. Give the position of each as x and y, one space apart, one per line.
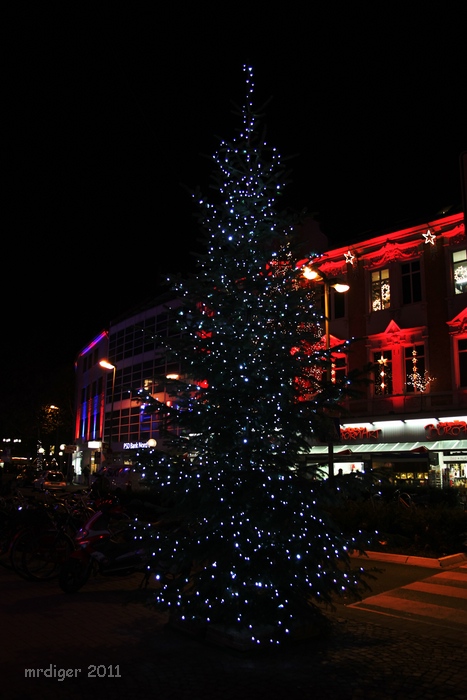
242 639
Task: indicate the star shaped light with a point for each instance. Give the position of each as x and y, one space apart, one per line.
349 257
429 237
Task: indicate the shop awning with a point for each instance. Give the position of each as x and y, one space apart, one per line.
447 445
410 450
358 449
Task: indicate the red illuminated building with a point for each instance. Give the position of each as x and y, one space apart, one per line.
405 312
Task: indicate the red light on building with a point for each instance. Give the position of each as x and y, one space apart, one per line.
463 173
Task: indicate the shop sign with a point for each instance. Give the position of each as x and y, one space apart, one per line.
360 433
449 429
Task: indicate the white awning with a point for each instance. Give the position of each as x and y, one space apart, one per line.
356 449
391 447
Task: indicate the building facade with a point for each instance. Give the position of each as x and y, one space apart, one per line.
111 424
405 315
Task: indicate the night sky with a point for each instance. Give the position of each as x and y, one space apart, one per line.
111 113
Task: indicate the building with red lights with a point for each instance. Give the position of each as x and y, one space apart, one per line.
405 313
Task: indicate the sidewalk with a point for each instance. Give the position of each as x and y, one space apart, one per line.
430 562
110 647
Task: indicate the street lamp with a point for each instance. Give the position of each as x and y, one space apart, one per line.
107 365
55 416
311 273
40 455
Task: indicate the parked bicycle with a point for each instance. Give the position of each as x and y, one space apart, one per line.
40 540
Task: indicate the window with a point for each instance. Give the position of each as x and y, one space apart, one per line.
338 368
462 359
459 269
380 290
411 282
338 304
416 379
383 373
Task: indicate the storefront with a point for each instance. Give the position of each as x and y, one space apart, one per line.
455 467
427 451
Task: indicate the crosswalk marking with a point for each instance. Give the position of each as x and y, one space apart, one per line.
438 598
435 589
451 576
391 603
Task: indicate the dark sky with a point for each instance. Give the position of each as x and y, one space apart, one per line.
111 110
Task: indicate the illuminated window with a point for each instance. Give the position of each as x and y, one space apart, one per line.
411 282
459 268
145 422
380 290
415 368
339 367
383 372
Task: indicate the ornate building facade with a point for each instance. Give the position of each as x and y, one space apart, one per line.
405 315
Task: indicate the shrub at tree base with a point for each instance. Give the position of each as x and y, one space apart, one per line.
430 531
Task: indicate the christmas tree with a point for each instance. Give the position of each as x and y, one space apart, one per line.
255 547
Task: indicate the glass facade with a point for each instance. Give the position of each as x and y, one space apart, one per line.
136 348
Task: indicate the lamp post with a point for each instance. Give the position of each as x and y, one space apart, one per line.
40 455
311 273
107 365
61 461
55 417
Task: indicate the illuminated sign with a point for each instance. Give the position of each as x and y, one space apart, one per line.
135 445
360 433
451 429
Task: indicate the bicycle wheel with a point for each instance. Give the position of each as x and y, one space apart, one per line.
44 553
20 541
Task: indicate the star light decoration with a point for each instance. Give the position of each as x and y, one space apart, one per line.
419 382
349 257
382 373
429 237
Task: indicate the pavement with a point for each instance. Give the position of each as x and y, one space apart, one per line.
100 642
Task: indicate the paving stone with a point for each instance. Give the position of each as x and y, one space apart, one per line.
41 626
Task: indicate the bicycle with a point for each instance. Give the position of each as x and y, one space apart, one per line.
37 551
16 513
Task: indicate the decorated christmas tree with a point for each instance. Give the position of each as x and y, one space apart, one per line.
254 549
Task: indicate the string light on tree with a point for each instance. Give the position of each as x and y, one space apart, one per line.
257 551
